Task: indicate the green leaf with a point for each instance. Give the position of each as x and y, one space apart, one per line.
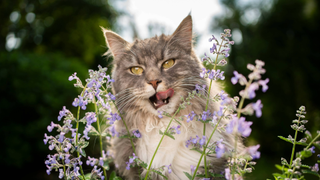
305 171
158 172
106 165
188 175
302 143
281 168
200 175
93 132
195 149
83 153
113 176
83 144
285 139
125 136
177 121
169 135
305 166
105 134
305 154
215 175
143 164
160 132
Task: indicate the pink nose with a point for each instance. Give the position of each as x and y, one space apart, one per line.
154 83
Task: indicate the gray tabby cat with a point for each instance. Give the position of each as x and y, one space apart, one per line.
151 75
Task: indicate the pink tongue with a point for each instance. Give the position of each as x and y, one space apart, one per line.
164 95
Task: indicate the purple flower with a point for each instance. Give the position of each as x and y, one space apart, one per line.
61 173
214 47
204 115
113 131
51 126
312 149
80 102
211 39
190 116
67 147
202 141
128 166
236 77
112 97
315 168
220 149
62 113
109 79
203 73
114 117
91 161
61 137
177 129
227 173
160 114
136 133
46 138
195 140
244 127
90 117
133 158
169 169
264 85
257 107
188 142
73 76
86 131
230 126
253 151
193 168
205 57
251 90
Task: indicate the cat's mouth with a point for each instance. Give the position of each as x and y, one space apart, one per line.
161 98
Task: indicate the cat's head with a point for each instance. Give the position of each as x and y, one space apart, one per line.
152 74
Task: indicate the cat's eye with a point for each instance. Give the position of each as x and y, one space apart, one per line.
168 64
136 70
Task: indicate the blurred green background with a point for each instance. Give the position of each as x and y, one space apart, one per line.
42 42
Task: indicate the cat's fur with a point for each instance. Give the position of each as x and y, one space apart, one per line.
133 93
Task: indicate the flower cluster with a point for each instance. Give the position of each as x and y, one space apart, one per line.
196 142
69 140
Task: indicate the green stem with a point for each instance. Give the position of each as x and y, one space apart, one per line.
203 152
77 128
305 148
154 154
134 150
99 130
204 125
236 136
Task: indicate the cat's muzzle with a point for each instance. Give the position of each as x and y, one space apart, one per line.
161 98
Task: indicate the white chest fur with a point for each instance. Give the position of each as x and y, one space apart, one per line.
170 151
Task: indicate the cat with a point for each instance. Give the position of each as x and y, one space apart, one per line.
152 75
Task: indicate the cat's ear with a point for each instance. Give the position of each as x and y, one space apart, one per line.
183 34
115 43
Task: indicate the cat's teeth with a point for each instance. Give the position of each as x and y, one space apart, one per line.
165 101
155 104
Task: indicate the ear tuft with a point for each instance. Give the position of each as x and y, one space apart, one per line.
183 33
114 42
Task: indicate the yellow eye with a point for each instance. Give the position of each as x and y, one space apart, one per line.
136 70
168 64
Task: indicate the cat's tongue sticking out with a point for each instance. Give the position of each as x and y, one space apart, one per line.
162 98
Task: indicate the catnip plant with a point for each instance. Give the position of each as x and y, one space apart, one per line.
68 143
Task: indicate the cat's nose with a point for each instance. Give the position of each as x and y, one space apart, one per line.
154 83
